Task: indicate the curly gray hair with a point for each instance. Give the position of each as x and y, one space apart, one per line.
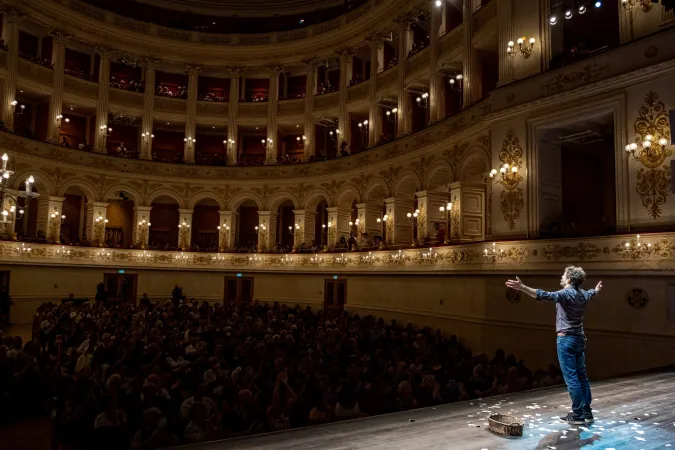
575 275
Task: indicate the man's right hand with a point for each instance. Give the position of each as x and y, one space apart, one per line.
515 284
598 288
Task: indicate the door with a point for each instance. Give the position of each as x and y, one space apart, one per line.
238 290
121 288
334 296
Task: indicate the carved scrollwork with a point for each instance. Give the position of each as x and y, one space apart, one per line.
582 251
653 186
511 204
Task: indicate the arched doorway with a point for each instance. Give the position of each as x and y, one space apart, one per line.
247 221
205 220
164 218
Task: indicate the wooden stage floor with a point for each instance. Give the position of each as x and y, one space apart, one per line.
636 412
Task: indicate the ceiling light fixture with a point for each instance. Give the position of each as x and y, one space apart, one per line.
568 14
439 3
553 20
598 4
582 9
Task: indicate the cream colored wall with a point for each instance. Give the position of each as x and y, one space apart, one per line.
474 307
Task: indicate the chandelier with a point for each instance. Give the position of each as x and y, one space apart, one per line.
9 197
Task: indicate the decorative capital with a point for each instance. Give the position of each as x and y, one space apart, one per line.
103 51
150 63
192 71
11 13
375 42
236 72
275 71
59 36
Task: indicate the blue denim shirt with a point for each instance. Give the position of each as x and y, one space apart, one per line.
570 305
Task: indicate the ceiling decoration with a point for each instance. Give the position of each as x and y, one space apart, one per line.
248 8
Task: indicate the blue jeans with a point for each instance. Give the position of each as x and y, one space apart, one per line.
572 357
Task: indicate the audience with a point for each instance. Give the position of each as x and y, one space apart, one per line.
178 371
129 85
171 91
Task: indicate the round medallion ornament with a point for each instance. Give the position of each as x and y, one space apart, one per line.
651 52
637 298
512 295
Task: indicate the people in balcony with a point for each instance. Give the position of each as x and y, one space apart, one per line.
3 44
64 142
211 97
129 85
393 61
344 149
356 80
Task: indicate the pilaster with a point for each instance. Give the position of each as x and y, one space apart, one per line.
233 111
436 84
468 217
191 114
430 217
96 222
227 230
507 72
185 228
404 113
10 34
103 100
399 228
310 92
272 101
374 116
304 232
58 77
267 230
142 225
148 109
346 59
368 213
50 218
471 69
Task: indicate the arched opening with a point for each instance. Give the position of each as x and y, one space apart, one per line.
164 218
120 227
74 226
205 220
285 226
247 234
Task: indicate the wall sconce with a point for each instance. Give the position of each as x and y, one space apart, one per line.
491 254
260 229
363 126
650 151
508 175
412 217
303 139
184 224
447 209
229 144
189 142
291 231
334 136
523 48
456 82
17 108
104 129
147 137
645 5
391 115
268 143
356 222
60 120
423 100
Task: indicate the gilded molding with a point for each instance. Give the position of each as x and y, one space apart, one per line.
582 251
589 72
653 187
512 198
652 120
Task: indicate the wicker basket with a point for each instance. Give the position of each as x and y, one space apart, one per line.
505 425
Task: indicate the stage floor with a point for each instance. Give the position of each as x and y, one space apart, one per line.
637 412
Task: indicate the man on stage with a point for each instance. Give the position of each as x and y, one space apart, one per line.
570 305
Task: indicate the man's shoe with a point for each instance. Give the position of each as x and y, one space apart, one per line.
573 419
588 418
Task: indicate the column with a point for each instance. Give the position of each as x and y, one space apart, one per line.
436 80
148 108
374 115
273 98
49 218
338 221
343 114
184 228
8 228
310 91
505 14
227 230
305 233
191 114
56 99
142 224
404 45
467 221
430 217
471 83
398 226
96 220
232 113
103 98
368 213
267 230
10 33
